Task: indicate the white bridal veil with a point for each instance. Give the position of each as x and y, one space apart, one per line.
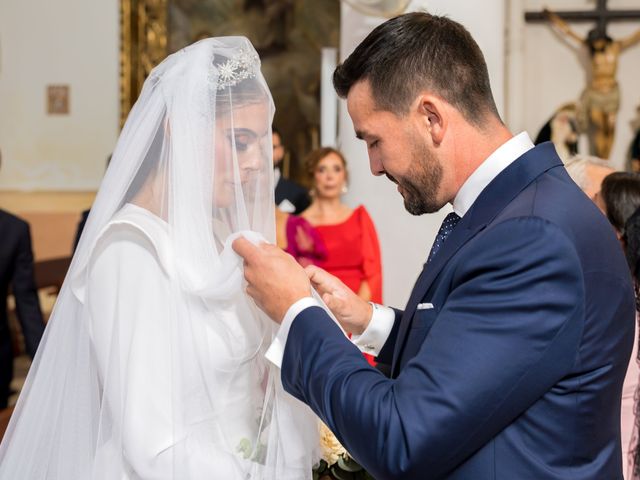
152 365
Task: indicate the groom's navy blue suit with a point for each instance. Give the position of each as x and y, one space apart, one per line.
516 372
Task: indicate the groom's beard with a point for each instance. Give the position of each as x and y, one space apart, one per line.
421 183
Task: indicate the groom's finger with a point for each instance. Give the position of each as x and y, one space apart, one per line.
330 301
312 272
245 249
321 280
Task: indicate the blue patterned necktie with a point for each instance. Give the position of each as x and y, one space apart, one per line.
448 224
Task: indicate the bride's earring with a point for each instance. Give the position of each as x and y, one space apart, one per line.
345 189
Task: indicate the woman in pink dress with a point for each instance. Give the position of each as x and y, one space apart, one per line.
353 250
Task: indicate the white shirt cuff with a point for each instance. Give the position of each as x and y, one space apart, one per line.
275 352
377 332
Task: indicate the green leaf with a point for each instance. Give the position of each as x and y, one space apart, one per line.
349 464
260 454
340 474
244 447
321 466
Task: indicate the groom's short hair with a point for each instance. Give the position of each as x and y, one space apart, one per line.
415 52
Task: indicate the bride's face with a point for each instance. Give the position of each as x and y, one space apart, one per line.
244 131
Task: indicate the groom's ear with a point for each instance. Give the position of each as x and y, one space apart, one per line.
431 111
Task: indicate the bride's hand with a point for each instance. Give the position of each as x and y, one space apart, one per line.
350 310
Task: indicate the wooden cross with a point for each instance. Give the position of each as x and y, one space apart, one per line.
601 15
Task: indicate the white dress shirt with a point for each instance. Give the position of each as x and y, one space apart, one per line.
375 335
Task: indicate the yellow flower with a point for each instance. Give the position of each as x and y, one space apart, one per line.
329 445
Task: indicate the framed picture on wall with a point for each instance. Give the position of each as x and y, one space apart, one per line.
58 99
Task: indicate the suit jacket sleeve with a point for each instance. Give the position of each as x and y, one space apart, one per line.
508 331
26 295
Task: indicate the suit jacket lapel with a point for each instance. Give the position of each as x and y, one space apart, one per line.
458 237
493 199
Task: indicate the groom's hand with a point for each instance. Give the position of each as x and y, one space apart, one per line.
350 310
275 280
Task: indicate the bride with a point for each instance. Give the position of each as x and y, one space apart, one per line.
152 365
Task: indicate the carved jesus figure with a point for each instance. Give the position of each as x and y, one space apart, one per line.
600 100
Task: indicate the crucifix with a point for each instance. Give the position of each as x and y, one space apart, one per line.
600 100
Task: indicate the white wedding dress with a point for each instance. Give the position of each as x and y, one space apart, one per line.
131 272
152 365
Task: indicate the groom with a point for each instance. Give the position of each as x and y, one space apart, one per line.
508 360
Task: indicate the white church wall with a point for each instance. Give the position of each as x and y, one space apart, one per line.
68 42
405 240
546 70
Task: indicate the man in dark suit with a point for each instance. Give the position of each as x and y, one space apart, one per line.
507 362
16 270
290 197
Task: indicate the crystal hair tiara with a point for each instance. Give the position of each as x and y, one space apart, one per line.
241 66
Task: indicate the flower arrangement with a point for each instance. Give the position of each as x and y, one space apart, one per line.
336 463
